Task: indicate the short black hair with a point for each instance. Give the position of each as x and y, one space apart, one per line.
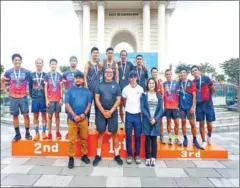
122 52
184 68
94 49
53 60
109 49
16 55
154 68
167 70
194 66
147 88
139 55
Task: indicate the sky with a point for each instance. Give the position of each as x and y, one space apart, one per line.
200 31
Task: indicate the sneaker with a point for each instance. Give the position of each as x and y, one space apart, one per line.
129 160
71 162
58 135
185 142
17 137
209 140
196 144
28 136
170 142
162 140
85 159
178 142
153 162
36 137
118 160
203 145
148 163
49 137
66 136
44 135
96 160
137 160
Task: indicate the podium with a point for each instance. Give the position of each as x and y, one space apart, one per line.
60 148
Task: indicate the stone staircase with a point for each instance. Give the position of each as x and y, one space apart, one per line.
225 120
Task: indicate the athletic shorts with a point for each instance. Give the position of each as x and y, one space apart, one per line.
205 111
102 122
38 105
172 113
185 114
19 103
53 107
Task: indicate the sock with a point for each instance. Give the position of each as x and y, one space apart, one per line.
194 138
36 129
203 140
170 135
17 131
185 137
209 134
175 137
27 130
44 128
116 150
99 151
161 137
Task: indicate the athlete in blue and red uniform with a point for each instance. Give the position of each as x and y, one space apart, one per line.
204 106
68 77
187 102
18 78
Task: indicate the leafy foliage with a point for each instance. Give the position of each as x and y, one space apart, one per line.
207 68
1 69
64 68
231 69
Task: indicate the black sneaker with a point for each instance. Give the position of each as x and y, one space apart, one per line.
71 162
85 159
96 160
17 137
28 136
118 160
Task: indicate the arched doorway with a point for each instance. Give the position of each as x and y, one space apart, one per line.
124 39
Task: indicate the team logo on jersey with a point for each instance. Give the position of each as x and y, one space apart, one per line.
113 86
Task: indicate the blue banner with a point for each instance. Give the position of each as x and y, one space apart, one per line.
149 59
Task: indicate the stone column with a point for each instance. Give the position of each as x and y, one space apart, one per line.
161 36
167 19
146 26
101 26
80 24
86 31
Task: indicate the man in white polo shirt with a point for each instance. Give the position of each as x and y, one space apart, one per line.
131 99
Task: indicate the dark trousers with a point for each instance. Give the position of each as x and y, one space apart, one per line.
151 147
133 121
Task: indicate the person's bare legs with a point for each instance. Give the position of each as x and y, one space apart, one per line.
169 130
162 132
36 125
27 126
184 131
194 133
176 130
44 124
202 130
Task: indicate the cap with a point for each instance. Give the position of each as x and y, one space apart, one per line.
73 57
132 74
80 74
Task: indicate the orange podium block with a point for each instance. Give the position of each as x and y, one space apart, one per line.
60 148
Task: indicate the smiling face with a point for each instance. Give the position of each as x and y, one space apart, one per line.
95 54
133 79
195 72
168 75
123 56
110 54
79 81
17 62
183 74
73 63
139 60
53 65
151 85
108 74
155 73
39 64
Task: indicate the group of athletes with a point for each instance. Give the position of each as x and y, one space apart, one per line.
111 85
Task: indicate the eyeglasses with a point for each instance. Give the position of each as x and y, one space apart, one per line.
134 76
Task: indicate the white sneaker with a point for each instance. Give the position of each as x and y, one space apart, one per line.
153 162
209 140
203 145
148 162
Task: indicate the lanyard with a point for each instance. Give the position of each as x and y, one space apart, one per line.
200 83
184 87
95 68
55 80
39 79
124 69
19 74
170 87
139 75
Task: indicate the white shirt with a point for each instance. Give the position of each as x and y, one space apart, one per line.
152 103
132 95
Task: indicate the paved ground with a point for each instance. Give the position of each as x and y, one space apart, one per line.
52 171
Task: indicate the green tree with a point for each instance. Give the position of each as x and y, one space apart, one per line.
64 68
182 65
231 69
1 69
207 68
220 77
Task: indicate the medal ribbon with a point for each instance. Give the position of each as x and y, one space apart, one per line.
124 69
139 75
39 79
184 88
19 74
55 80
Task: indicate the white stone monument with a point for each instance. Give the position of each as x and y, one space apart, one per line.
142 24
